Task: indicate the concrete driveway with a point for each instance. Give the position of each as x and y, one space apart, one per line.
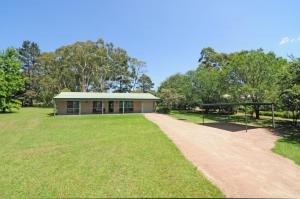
240 164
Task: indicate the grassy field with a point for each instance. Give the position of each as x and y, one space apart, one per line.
288 146
92 156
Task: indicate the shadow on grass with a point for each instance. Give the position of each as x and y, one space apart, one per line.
288 131
6 113
240 118
9 112
283 128
50 114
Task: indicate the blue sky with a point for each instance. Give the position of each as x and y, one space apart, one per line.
167 34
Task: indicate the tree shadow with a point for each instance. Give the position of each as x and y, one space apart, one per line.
50 114
6 113
227 126
288 131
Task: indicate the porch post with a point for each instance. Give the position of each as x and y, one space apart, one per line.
123 106
246 120
79 108
102 107
273 121
54 111
142 103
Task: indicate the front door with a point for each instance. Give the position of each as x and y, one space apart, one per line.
111 106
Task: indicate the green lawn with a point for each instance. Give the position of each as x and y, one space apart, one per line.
289 149
288 146
92 156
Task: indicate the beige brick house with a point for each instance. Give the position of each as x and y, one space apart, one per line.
100 103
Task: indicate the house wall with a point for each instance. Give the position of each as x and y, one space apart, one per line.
116 106
137 107
61 107
87 107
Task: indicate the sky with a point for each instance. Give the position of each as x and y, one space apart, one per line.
167 34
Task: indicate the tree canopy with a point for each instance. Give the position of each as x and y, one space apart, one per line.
11 80
90 66
244 76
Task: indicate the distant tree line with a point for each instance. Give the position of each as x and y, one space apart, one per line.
91 66
244 76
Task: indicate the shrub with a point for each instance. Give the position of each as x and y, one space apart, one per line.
164 110
283 114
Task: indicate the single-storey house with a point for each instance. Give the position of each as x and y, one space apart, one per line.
101 103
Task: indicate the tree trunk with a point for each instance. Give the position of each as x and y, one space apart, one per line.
256 108
206 110
31 102
294 118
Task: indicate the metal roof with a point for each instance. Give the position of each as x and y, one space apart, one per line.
94 95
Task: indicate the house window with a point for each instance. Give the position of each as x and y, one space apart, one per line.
128 106
73 107
97 106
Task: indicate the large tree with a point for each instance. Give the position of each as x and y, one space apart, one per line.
29 53
137 74
88 66
209 58
290 88
254 76
11 80
235 77
181 87
145 83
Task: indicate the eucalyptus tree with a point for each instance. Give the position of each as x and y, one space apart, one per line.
82 66
209 58
53 76
121 74
137 73
80 57
145 83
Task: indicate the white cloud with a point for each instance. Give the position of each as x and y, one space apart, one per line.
284 40
287 40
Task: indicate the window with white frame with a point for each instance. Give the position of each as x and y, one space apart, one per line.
128 106
97 106
73 107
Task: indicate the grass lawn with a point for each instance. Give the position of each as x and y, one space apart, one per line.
288 146
289 149
92 156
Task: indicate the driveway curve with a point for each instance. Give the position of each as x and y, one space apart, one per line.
241 164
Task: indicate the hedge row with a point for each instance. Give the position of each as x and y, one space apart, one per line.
283 114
